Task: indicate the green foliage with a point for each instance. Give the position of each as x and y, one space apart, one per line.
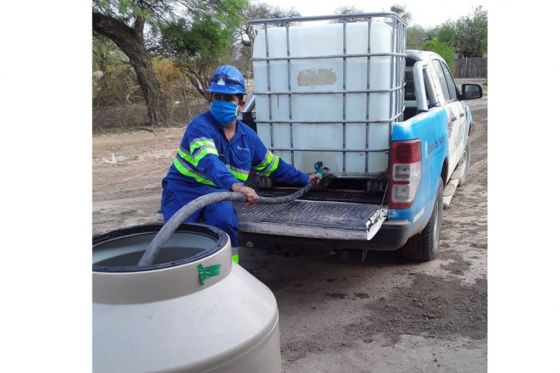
446 51
205 39
415 37
124 10
467 35
173 17
152 11
201 43
197 34
230 13
472 34
446 32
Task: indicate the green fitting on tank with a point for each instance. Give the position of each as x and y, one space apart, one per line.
206 272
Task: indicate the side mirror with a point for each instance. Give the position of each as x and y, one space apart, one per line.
471 91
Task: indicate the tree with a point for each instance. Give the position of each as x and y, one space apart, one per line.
446 32
472 34
198 47
124 21
446 51
114 83
401 12
105 53
346 10
244 36
415 37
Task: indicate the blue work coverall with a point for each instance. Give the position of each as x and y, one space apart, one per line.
207 162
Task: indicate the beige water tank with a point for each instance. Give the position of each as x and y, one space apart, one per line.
193 310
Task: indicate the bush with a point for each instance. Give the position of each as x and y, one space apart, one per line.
115 87
446 51
117 100
171 79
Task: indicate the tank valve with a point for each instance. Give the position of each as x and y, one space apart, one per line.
320 170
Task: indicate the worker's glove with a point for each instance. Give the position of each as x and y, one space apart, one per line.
252 196
319 174
314 178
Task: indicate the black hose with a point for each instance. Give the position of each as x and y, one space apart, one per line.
184 212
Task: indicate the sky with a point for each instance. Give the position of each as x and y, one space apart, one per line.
427 13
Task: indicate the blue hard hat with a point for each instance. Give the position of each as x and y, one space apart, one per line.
227 79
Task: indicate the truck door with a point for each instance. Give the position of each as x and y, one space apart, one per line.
455 110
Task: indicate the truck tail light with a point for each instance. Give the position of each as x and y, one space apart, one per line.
406 168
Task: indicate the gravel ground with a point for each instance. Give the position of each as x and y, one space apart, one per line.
338 314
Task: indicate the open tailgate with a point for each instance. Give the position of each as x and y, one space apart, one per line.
313 219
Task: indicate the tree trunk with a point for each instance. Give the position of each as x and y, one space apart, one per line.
131 42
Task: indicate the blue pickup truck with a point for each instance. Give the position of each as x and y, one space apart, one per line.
390 125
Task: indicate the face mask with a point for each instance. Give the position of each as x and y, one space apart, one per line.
224 112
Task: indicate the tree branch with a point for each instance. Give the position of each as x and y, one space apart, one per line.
197 84
115 30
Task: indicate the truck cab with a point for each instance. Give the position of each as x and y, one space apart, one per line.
395 138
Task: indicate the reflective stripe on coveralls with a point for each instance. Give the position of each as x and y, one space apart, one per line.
185 164
199 149
268 165
186 170
200 141
204 145
238 173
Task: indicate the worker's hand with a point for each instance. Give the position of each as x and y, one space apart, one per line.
252 196
314 178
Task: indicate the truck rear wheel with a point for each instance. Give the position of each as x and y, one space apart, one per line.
425 245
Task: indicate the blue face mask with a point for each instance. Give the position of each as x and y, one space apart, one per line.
224 112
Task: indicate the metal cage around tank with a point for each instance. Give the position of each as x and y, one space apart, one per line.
395 89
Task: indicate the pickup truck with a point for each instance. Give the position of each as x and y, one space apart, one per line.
396 206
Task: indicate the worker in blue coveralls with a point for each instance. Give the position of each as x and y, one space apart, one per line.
216 154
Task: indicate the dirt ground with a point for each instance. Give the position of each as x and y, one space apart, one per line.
338 314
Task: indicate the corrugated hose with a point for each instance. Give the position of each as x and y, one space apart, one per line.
184 212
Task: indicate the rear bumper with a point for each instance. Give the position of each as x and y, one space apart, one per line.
392 236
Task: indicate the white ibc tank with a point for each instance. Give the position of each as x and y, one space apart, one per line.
183 313
327 75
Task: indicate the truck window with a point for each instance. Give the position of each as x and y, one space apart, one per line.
452 88
409 92
429 82
428 101
441 78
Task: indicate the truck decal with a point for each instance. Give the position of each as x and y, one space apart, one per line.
435 144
